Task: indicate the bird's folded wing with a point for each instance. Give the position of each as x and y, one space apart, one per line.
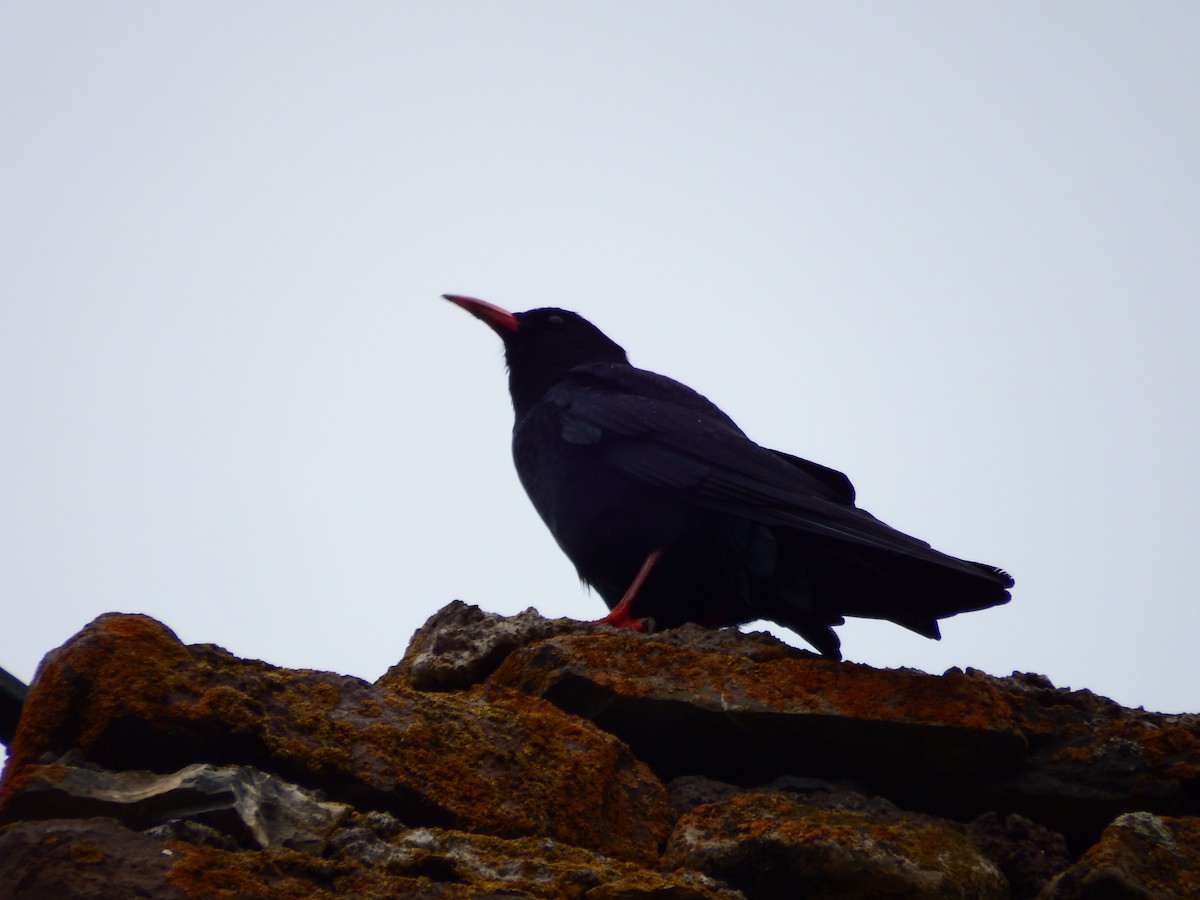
664 435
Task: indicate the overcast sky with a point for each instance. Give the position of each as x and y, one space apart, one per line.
950 249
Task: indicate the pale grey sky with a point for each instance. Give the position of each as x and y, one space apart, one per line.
949 249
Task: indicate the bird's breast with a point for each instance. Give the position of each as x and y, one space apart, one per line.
600 517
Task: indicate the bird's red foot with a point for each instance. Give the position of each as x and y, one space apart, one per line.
620 618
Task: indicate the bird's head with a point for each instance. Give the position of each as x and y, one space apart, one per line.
542 345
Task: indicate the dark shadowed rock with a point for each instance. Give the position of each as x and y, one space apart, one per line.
771 845
689 791
1090 760
1028 854
126 694
1139 857
91 859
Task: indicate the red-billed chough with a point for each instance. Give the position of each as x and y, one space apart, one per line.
672 514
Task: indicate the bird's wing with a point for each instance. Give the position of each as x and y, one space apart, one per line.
663 434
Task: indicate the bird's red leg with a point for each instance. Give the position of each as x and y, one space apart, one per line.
619 617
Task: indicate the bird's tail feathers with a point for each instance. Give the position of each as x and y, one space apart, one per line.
912 591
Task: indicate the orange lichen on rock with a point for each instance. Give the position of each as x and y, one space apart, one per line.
758 842
127 694
279 874
427 863
1139 855
115 647
528 757
633 665
715 710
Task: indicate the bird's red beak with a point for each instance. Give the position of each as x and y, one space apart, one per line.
500 320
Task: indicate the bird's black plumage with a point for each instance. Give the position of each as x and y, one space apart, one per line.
635 473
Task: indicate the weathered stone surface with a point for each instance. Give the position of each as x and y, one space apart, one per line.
1140 856
790 775
772 845
689 791
126 694
748 718
461 645
102 859
215 874
251 807
960 744
1089 760
89 859
539 867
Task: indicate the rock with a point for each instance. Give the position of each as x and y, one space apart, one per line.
537 867
460 645
731 708
1028 854
193 833
748 718
207 872
1140 856
431 863
521 757
249 806
689 791
374 856
1089 760
91 859
126 694
770 845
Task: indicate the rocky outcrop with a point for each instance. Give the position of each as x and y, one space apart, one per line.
549 758
774 844
1139 855
126 694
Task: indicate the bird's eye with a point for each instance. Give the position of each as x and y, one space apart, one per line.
556 321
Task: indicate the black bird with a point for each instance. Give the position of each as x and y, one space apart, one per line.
12 698
672 514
